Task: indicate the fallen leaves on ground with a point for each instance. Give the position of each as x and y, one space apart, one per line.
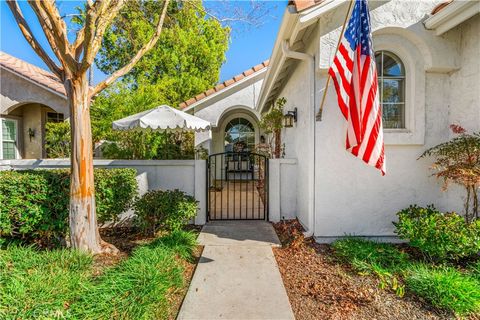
321 288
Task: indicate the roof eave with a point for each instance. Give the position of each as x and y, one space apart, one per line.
293 22
18 74
277 58
452 15
225 91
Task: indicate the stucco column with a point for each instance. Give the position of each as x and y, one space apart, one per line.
201 191
274 190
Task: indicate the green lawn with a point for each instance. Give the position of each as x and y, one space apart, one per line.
444 286
62 284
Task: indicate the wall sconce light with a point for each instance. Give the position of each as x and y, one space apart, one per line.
31 133
289 118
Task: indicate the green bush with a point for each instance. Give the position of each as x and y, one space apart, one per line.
115 192
34 204
439 236
169 210
445 288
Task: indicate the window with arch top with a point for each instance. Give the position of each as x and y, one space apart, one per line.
239 135
391 83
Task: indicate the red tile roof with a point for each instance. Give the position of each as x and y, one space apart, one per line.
440 6
224 84
304 4
34 73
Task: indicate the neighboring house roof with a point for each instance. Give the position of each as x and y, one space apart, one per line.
222 86
440 6
304 4
449 14
33 73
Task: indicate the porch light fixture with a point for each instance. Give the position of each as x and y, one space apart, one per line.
289 118
31 133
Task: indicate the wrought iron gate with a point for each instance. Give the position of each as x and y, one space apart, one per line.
237 186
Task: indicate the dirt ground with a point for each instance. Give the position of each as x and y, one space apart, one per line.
319 287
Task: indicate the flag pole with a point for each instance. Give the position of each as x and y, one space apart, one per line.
320 111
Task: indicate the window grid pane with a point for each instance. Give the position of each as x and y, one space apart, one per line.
239 131
9 130
8 150
391 81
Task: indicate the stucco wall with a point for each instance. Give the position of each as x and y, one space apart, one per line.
240 99
32 118
16 90
299 139
282 187
351 197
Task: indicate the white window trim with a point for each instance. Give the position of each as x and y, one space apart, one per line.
17 152
408 53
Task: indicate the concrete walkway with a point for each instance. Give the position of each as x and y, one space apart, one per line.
237 276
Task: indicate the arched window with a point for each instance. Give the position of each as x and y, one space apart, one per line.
239 135
391 83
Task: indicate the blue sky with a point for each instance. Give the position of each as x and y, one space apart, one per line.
248 47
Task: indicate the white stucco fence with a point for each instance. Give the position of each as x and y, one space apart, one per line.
186 175
282 189
190 177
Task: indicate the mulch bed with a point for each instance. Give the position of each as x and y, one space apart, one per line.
320 287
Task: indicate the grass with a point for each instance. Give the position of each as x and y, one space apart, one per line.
445 287
62 283
442 286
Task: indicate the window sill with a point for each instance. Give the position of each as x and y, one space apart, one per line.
403 137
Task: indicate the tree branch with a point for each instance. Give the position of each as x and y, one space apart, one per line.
101 15
125 69
55 30
27 33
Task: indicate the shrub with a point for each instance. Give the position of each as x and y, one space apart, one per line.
169 210
445 288
34 203
440 237
115 192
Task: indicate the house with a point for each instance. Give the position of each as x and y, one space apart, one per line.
427 56
29 98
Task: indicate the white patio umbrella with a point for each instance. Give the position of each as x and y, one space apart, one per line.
162 118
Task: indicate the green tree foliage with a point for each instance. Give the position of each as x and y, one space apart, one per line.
185 61
120 101
57 139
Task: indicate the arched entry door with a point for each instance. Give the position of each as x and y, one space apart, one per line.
239 136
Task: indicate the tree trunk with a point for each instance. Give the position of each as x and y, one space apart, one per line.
278 143
84 233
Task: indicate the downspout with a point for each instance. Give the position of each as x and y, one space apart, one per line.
311 61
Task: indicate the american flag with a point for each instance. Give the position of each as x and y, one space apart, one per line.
355 77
